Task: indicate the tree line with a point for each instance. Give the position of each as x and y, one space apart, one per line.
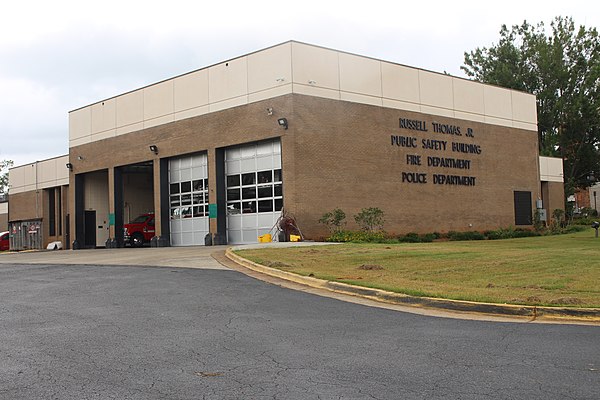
561 66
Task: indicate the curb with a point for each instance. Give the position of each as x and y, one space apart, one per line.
533 312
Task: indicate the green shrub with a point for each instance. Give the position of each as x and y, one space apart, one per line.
510 233
586 221
469 235
538 224
575 228
588 212
359 237
557 222
370 219
410 238
428 237
521 233
334 220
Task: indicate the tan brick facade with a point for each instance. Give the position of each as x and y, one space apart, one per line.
553 194
3 222
26 206
342 154
348 161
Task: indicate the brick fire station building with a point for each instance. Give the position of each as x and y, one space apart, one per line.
222 150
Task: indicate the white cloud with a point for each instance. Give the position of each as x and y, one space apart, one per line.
32 120
61 55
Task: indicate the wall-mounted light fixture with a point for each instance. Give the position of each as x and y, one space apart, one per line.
283 122
70 166
269 111
80 158
154 148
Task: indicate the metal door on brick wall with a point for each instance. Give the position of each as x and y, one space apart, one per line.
188 197
254 190
26 235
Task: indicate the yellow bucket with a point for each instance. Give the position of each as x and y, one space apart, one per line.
294 238
266 238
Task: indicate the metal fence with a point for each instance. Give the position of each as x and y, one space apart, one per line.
25 235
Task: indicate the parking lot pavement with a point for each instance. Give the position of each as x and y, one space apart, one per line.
145 333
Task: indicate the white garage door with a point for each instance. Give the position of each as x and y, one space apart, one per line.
254 190
188 195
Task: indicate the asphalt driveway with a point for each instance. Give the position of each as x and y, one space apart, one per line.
138 332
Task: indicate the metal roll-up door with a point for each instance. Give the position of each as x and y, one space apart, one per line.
188 197
254 190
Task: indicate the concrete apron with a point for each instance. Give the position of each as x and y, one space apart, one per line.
183 257
180 257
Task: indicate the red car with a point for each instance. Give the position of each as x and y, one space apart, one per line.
4 240
140 230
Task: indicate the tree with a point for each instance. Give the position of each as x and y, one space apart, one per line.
562 68
4 166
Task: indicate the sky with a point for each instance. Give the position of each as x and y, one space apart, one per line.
57 56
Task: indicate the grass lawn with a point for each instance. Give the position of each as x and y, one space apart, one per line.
562 270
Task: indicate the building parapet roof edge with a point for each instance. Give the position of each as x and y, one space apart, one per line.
281 44
38 161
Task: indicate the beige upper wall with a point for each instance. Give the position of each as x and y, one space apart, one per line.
39 175
551 169
294 67
4 207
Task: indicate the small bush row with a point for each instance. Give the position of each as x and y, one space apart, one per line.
383 237
585 221
371 221
359 236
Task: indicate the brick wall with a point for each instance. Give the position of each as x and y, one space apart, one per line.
3 222
345 158
25 206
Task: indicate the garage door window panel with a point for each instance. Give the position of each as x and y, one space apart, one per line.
233 194
265 191
249 192
186 199
234 208
278 204
265 206
198 185
249 207
265 177
248 179
233 180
